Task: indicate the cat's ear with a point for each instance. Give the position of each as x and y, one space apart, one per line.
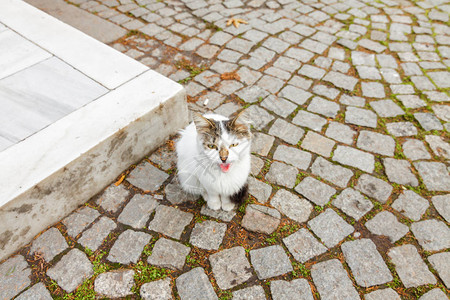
238 124
203 124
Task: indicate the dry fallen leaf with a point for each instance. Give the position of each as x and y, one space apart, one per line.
236 22
118 182
230 75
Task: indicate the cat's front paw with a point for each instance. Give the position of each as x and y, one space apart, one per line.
227 206
214 205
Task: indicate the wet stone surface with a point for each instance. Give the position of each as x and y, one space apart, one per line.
348 106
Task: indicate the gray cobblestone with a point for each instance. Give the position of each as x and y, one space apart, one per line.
353 203
292 206
270 262
385 223
434 175
157 290
261 219
195 285
286 131
409 266
442 205
330 227
433 235
366 263
282 174
293 156
376 142
168 254
303 245
359 116
332 281
262 143
14 276
295 289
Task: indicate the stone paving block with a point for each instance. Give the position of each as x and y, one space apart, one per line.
341 81
415 149
433 235
411 101
399 171
382 294
226 216
303 245
165 157
442 205
230 267
295 94
434 175
260 190
428 121
79 220
128 247
332 281
340 132
441 263
374 187
175 193
94 236
299 54
440 79
353 203
371 73
386 108
287 64
114 284
248 76
282 174
376 142
296 208
195 285
359 116
366 263
208 235
352 100
138 210
442 112
286 131
49 244
385 223
37 291
363 59
434 294
260 117
297 158
157 290
255 292
298 289
270 83
338 175
330 227
391 76
311 72
410 267
170 221
315 191
227 109
325 91
401 128
168 254
411 205
270 262
112 198
207 78
72 270
323 107
354 158
261 143
278 105
261 219
14 276
318 144
373 89
147 177
309 120
252 94
439 146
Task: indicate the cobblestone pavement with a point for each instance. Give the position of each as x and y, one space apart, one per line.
349 185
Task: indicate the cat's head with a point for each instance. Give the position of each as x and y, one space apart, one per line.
223 140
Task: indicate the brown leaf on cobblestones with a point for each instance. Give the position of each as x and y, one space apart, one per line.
118 182
236 22
230 76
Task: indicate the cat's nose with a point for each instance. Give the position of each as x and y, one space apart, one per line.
223 159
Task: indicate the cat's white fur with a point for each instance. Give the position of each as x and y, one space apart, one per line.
199 171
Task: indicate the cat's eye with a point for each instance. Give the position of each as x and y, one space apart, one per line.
212 146
233 145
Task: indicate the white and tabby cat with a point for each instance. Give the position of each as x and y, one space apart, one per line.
214 159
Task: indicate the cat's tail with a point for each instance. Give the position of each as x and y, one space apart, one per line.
240 196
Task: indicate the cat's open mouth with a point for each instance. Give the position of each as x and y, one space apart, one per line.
225 167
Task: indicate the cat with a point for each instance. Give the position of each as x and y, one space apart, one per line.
214 159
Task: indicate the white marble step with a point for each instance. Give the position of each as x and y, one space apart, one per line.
17 53
103 64
35 97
